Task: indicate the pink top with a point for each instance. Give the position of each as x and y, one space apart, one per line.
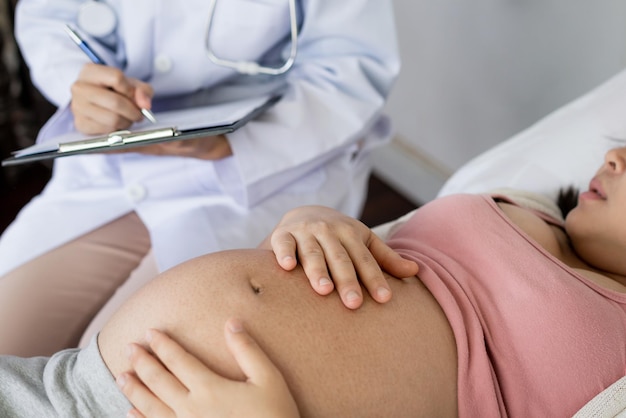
534 338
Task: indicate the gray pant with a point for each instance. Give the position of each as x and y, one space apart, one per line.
71 383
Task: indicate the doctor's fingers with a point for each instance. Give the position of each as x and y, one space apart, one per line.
143 94
109 77
98 110
207 148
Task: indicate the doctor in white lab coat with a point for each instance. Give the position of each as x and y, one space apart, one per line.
56 270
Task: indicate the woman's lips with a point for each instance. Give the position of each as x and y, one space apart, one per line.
595 192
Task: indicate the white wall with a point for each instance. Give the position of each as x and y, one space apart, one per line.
476 72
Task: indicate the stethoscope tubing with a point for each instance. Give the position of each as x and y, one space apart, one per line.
251 67
243 67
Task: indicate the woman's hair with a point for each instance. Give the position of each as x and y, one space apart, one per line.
567 199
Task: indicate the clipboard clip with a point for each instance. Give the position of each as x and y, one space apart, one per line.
117 138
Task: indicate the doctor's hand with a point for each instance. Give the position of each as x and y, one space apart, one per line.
105 100
173 383
336 250
207 148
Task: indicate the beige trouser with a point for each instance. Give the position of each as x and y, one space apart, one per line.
47 304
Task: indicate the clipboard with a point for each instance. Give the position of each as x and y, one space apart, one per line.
220 119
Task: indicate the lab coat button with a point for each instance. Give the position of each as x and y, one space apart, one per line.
162 63
136 192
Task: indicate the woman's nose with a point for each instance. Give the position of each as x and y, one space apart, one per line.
616 159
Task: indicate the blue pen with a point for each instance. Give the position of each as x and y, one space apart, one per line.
95 58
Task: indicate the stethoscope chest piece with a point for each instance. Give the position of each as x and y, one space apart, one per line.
97 19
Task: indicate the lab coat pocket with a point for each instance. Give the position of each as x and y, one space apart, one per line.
247 29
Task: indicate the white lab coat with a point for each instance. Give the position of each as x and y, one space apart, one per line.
311 147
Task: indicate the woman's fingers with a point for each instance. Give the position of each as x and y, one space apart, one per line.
135 413
341 258
168 387
182 365
390 261
284 246
381 257
142 398
333 255
353 259
288 250
315 263
254 363
265 393
336 251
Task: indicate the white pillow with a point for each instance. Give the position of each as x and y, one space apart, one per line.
565 148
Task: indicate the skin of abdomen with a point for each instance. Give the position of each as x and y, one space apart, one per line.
395 359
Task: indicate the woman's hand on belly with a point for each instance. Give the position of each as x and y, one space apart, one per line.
336 250
174 383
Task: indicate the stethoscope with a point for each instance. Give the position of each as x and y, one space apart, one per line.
98 19
251 67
